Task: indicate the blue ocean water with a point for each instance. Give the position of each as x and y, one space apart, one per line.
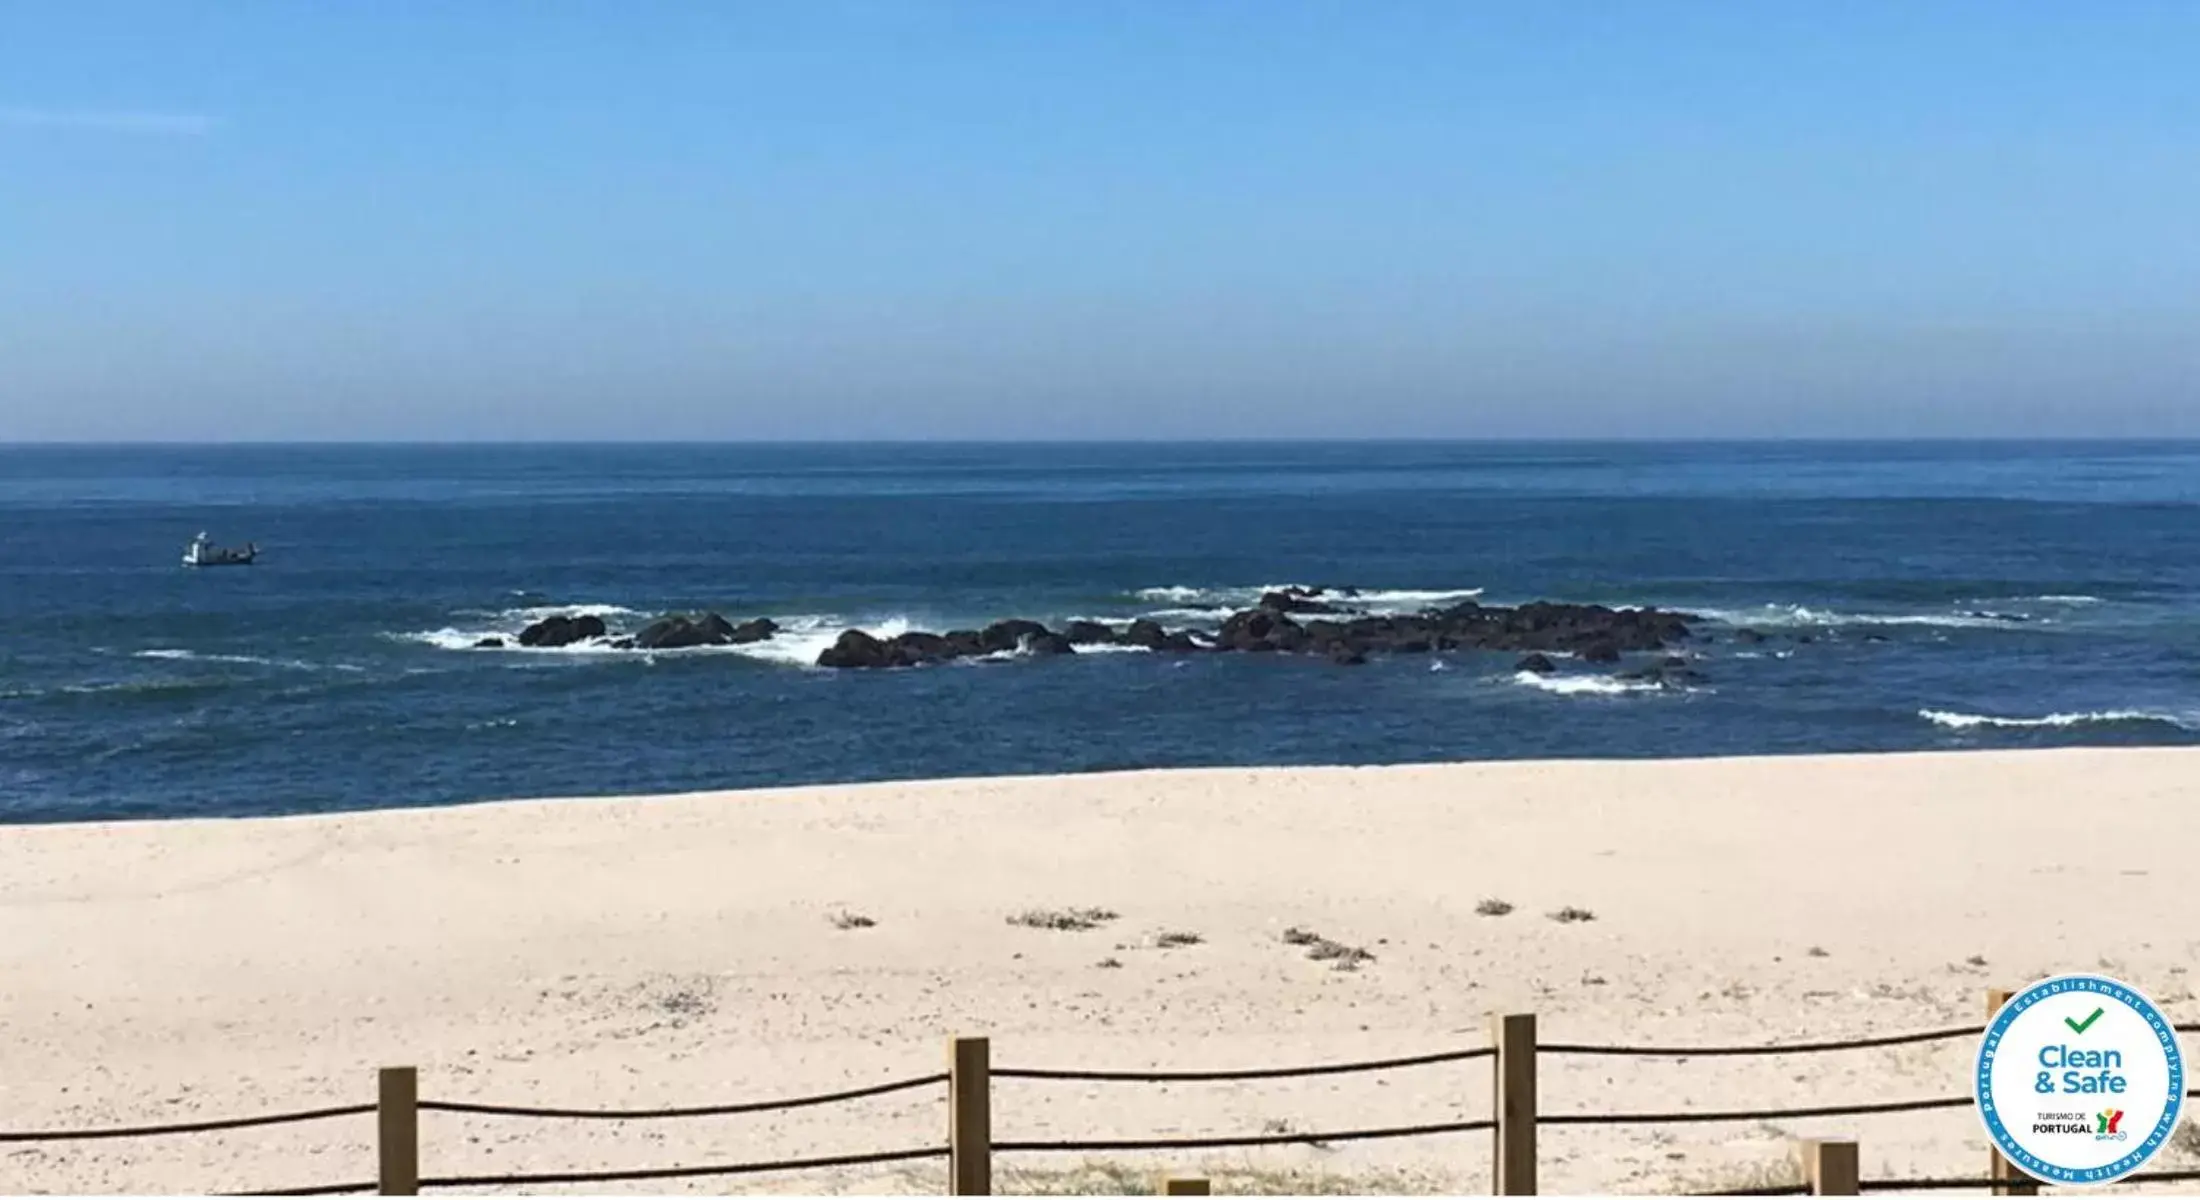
1915 596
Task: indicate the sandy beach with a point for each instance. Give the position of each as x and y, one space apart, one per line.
685 950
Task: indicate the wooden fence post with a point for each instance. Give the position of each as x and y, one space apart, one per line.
969 1117
1514 1105
397 1131
1179 1185
1829 1166
2008 1180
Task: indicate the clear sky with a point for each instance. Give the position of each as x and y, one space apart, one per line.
1162 218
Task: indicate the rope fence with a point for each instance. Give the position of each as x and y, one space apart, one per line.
1829 1165
1378 1064
708 1110
136 1131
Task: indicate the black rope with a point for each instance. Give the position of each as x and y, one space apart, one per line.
1222 1143
1379 1064
749 1168
713 1110
124 1131
318 1189
1927 1185
1896 1039
1769 1114
1783 1189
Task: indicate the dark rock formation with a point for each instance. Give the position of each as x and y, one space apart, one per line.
561 631
1536 664
679 632
1143 632
1591 632
1748 637
490 643
856 648
1046 645
1008 635
1602 650
1295 600
676 631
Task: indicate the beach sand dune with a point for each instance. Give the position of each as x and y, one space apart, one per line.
697 949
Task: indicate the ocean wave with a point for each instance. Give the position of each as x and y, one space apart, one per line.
1584 685
1957 720
545 612
291 664
798 643
1216 615
145 687
801 639
1773 616
1207 603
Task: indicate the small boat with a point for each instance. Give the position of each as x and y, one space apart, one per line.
202 552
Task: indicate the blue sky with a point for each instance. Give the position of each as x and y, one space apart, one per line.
883 219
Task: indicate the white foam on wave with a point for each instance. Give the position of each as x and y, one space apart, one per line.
1216 603
1957 720
798 643
801 639
1584 685
291 664
1409 596
1215 615
545 612
1798 615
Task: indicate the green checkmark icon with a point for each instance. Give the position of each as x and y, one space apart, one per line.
2082 1026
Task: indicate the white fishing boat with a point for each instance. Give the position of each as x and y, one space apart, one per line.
202 552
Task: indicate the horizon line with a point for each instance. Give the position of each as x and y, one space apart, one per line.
795 443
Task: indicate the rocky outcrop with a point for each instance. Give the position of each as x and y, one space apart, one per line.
1296 600
561 631
1589 632
677 632
1536 664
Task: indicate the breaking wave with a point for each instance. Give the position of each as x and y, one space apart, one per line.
1956 720
1207 603
798 643
1773 616
1584 685
291 664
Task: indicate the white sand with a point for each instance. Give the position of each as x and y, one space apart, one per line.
678 951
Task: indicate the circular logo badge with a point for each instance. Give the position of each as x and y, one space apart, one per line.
2080 1080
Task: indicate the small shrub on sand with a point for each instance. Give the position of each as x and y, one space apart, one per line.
1767 1175
1173 938
1102 1178
1339 956
1570 915
1068 920
851 920
1493 907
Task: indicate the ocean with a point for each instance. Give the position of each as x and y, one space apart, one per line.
1914 596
